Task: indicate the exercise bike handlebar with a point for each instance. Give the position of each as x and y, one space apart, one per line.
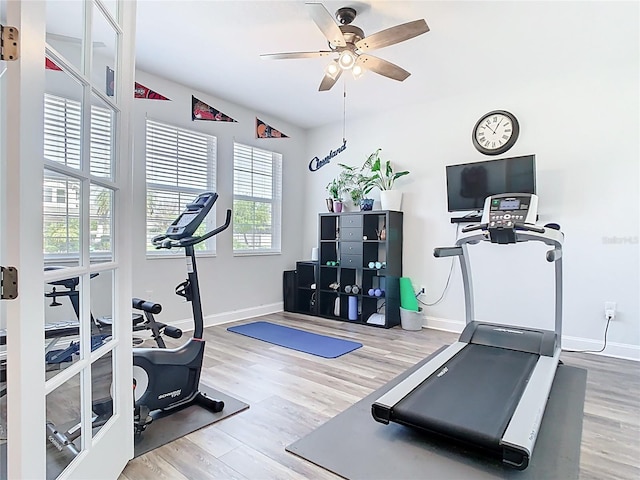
162 241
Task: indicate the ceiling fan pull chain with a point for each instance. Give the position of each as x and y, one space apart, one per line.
344 110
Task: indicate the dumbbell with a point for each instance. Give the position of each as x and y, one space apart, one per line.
354 289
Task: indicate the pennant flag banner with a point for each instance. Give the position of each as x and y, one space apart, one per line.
267 131
49 65
143 92
202 111
139 91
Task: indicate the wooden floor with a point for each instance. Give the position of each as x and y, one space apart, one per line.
291 393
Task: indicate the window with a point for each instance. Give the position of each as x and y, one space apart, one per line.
180 165
257 200
62 192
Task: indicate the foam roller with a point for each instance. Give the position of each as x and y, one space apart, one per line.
408 299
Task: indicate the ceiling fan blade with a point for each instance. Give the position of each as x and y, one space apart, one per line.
326 24
282 56
382 67
328 81
393 35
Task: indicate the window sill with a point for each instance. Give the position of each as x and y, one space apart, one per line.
258 253
178 254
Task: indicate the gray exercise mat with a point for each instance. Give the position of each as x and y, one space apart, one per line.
355 446
164 429
168 427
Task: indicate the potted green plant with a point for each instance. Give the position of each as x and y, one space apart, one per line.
335 189
356 183
383 177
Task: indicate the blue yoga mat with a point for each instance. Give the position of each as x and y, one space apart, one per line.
320 345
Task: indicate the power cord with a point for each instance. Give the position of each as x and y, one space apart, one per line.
444 291
606 330
446 286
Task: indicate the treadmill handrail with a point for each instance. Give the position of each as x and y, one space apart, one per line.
549 236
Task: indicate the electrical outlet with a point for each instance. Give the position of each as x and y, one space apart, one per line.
423 289
610 310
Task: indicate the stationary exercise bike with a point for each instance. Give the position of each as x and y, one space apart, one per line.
101 327
165 380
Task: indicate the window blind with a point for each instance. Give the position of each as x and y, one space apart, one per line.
257 200
62 118
61 193
180 165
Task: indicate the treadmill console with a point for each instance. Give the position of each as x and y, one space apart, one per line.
503 212
191 218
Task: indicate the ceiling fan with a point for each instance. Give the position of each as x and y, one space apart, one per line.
350 44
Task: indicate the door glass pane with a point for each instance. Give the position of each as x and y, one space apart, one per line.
102 301
62 327
101 222
104 53
62 117
65 29
101 308
62 312
101 399
102 138
61 218
112 7
63 426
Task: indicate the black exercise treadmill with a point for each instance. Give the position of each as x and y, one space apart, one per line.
490 388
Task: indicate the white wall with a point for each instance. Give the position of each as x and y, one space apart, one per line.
231 287
578 114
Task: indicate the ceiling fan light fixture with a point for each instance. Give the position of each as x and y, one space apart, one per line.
332 69
351 45
347 60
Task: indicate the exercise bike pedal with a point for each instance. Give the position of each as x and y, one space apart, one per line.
209 403
141 419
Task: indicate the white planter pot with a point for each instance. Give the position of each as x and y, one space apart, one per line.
391 200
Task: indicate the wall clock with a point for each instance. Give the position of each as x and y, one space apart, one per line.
495 132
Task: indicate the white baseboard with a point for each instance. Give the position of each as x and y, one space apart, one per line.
232 316
235 315
444 324
616 350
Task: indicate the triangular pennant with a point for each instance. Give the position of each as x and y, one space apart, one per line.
267 131
141 91
49 65
202 111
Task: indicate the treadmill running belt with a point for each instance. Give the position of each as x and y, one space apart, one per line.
472 397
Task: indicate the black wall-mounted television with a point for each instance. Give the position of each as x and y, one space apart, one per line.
468 184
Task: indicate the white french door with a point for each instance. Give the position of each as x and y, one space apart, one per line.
65 187
3 325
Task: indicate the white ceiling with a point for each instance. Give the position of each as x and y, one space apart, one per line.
213 46
473 48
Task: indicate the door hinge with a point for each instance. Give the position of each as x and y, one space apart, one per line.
9 43
8 283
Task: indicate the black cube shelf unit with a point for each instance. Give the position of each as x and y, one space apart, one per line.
306 296
353 251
